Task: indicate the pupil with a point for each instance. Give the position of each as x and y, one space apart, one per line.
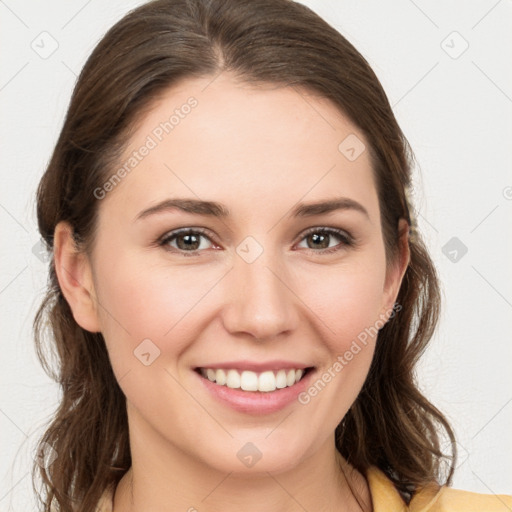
323 238
189 240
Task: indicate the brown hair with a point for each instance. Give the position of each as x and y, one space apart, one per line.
391 425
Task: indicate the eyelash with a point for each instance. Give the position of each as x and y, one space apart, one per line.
346 239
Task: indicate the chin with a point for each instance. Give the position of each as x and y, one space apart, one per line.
246 457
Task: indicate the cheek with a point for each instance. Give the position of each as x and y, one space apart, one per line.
347 304
347 300
140 301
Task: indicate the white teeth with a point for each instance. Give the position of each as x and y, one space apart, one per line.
252 381
281 379
220 377
249 381
267 381
233 379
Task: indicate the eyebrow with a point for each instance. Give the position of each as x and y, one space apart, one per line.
214 209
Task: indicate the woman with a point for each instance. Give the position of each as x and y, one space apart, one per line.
238 293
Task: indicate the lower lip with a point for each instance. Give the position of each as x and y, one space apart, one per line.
257 402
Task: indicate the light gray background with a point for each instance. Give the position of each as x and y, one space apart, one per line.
454 107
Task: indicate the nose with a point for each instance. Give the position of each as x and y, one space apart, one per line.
259 298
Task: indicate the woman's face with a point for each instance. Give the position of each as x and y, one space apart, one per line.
261 289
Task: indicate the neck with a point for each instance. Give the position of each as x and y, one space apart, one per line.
164 478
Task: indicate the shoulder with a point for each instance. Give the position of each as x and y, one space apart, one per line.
432 498
446 499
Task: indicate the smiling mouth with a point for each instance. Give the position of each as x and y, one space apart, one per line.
265 382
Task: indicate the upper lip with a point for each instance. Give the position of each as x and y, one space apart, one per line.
256 366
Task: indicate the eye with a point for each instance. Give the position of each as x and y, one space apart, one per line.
320 239
186 240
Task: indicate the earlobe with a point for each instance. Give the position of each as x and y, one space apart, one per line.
75 278
396 273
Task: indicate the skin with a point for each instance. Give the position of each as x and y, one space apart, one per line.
259 151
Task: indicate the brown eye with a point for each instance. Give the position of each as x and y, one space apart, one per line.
185 240
319 239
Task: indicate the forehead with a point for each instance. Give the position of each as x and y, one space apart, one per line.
220 138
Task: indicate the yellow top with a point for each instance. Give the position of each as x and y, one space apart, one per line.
386 498
432 498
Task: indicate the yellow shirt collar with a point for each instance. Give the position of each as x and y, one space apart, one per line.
431 498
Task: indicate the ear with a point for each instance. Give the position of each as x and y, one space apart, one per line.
74 274
395 273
